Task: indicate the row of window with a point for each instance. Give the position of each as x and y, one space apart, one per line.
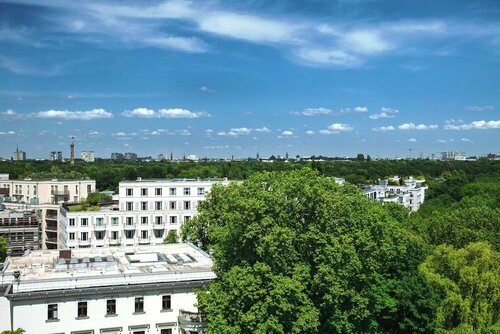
129 206
129 221
159 191
111 308
115 235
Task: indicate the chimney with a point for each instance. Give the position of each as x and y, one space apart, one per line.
72 149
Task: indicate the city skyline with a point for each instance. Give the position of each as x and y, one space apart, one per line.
217 79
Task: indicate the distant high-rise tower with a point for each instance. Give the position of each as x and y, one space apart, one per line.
72 149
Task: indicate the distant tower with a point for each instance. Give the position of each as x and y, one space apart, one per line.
171 156
72 149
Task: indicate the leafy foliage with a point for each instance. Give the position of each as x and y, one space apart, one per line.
297 253
3 249
17 331
468 282
171 237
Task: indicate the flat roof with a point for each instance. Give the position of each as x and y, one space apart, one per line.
110 266
139 180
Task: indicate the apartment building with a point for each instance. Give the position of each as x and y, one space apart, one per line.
411 193
147 210
21 229
87 156
47 197
136 290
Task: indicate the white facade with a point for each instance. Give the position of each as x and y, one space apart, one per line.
147 210
110 290
411 194
88 156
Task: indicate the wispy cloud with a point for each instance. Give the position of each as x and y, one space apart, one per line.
384 128
74 115
411 126
385 113
205 89
263 129
312 112
165 113
287 133
336 128
479 108
235 132
19 66
475 125
7 133
412 140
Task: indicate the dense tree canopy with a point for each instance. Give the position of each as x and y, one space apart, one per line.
468 282
3 249
297 253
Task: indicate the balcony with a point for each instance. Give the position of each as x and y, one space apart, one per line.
99 243
192 322
99 227
129 226
83 242
144 241
51 240
50 217
160 226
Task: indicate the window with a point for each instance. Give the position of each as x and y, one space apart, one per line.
139 305
82 309
158 233
186 218
72 236
201 191
172 191
144 191
166 302
128 192
128 206
166 331
144 205
66 190
158 191
173 205
52 312
158 205
111 307
144 234
84 236
99 221
84 222
89 188
173 220
187 191
129 221
158 220
144 220
129 234
72 222
76 189
114 235
114 221
99 235
187 205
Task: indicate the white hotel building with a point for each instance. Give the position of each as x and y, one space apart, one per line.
132 290
411 194
147 210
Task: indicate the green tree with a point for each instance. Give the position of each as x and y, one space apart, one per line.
171 237
3 249
96 198
468 282
295 253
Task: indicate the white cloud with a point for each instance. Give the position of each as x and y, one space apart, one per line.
340 127
384 128
312 112
310 132
75 115
5 133
366 41
164 113
263 129
353 110
9 113
441 141
479 108
119 134
287 133
385 113
475 125
327 57
235 132
466 140
327 132
412 140
205 89
186 44
411 126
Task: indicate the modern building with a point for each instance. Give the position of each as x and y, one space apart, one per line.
130 156
117 156
410 193
147 210
19 155
46 196
88 156
453 155
22 229
136 290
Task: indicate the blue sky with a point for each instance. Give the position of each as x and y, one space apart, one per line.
217 78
